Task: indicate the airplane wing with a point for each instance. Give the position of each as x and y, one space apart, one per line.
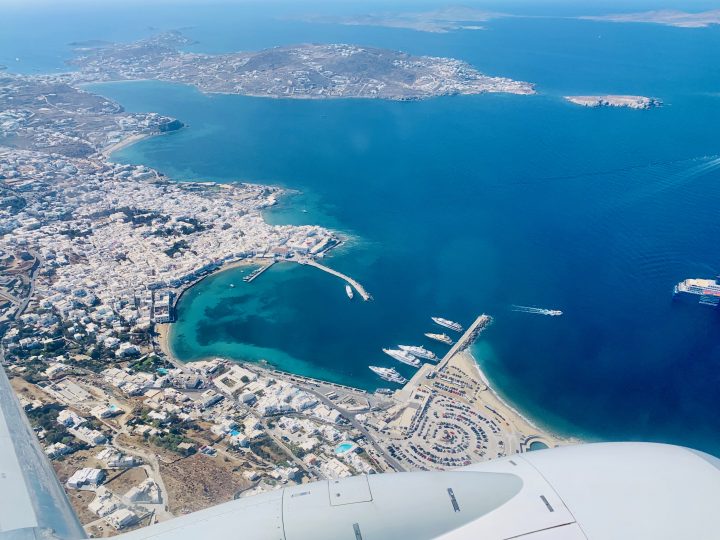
33 504
606 491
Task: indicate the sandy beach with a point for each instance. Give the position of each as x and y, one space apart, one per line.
132 139
447 415
513 418
164 330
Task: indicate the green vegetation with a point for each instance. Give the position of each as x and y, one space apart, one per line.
172 442
45 418
149 364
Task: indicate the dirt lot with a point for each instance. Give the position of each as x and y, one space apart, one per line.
24 389
120 481
78 498
200 481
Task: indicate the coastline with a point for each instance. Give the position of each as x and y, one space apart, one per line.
127 141
487 400
513 410
164 330
489 397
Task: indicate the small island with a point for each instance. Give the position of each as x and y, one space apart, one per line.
630 102
667 17
439 21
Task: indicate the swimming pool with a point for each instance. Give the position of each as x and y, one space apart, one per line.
345 447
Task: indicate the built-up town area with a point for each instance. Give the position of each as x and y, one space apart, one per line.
93 256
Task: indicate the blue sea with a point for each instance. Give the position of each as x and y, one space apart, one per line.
468 204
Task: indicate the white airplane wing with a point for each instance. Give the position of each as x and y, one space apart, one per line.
609 491
32 502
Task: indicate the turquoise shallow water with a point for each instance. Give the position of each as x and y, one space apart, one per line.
467 204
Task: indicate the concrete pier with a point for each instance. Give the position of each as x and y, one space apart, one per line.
255 273
350 281
468 338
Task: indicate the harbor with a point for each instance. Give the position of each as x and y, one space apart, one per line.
468 338
448 415
350 281
257 272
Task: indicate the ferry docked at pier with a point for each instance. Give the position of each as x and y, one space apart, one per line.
420 352
349 291
457 327
403 356
388 374
442 338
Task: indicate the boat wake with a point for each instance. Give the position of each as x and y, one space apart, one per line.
537 311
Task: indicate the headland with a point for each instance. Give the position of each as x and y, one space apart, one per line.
306 71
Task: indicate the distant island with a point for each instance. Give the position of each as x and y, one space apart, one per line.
668 17
631 102
439 21
302 71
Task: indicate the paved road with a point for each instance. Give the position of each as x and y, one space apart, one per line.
357 425
278 440
23 304
351 418
151 460
10 297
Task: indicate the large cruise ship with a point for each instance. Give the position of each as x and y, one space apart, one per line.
442 338
388 374
448 324
420 352
403 356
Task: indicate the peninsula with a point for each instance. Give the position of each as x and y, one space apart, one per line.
630 102
300 72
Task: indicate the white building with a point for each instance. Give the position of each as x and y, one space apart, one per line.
86 477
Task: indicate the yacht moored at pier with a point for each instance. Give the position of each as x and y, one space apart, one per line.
420 352
447 323
403 356
349 291
388 374
442 338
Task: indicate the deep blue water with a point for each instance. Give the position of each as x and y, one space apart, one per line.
461 205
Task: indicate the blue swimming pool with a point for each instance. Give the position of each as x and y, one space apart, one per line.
344 448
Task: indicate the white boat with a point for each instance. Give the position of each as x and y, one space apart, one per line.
388 374
349 291
442 338
420 352
538 311
402 356
447 323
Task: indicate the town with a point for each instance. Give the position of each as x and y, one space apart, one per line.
95 254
